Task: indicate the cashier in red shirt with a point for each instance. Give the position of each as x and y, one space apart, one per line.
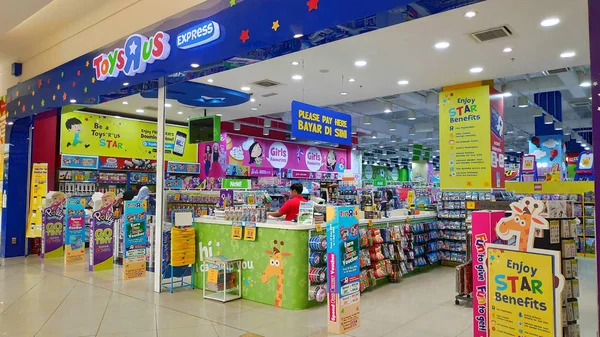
291 207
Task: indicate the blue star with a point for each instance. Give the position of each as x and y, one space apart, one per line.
492 257
132 48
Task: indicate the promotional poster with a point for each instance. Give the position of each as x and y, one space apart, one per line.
37 199
53 219
101 234
134 239
74 231
549 156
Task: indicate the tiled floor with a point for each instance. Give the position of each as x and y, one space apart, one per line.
45 299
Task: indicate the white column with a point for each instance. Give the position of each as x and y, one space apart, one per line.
160 179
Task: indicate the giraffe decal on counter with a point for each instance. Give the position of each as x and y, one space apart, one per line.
526 218
275 268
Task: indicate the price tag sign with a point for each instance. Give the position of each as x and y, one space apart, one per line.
144 178
79 176
318 228
236 230
213 275
470 204
370 223
250 231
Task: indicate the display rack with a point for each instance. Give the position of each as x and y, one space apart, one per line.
223 279
179 252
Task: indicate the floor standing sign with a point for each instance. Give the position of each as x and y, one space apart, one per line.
37 199
134 239
74 231
343 269
53 219
101 238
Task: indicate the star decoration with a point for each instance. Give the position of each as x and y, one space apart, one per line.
232 3
486 184
23 108
43 103
78 73
33 93
39 83
64 96
93 80
245 35
275 26
87 63
312 5
74 84
469 183
595 84
62 74
57 87
85 89
599 108
54 97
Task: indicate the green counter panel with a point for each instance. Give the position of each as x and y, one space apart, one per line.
257 286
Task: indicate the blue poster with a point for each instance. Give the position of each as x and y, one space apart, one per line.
320 124
343 269
75 230
134 239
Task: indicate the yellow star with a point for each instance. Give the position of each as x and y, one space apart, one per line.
33 93
93 80
87 63
58 87
275 25
54 97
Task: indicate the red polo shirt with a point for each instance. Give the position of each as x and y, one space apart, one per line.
291 208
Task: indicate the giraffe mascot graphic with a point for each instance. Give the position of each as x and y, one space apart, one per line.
275 268
525 220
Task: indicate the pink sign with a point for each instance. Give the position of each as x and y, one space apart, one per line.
300 175
261 172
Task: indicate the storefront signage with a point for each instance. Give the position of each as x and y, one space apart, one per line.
111 137
316 123
343 269
53 220
37 199
236 184
79 162
101 234
465 139
134 239
133 58
188 168
74 230
198 35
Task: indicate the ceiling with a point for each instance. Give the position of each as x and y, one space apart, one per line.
406 52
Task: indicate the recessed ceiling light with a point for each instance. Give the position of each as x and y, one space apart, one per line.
194 65
374 137
442 45
168 105
549 22
252 100
470 14
506 94
360 63
180 112
297 77
585 84
219 115
392 129
245 88
254 109
507 50
567 54
10 123
297 36
140 111
403 82
351 80
295 63
126 83
210 80
73 101
125 102
344 93
476 70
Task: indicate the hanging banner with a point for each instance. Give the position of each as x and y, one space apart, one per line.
74 230
108 136
465 159
320 124
549 156
134 239
497 138
53 219
101 234
37 199
343 269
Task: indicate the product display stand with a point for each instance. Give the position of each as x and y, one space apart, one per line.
221 278
182 245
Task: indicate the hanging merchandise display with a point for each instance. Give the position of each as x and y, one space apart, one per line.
53 219
37 199
101 234
134 239
75 221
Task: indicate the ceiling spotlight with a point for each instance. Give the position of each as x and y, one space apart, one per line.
367 120
578 140
126 84
393 128
344 93
412 131
374 136
360 63
245 88
254 108
73 101
470 14
265 132
585 84
507 50
237 126
476 70
168 105
558 126
219 115
567 54
394 139
11 123
442 45
351 80
523 102
388 107
194 65
252 100
210 80
403 82
412 115
548 120
511 150
292 138
140 111
507 94
354 148
295 63
549 22
180 112
297 77
509 131
125 102
267 123
297 36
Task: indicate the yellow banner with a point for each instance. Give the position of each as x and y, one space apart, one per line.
37 200
521 294
99 135
465 143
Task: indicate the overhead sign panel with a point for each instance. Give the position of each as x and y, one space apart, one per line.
320 124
